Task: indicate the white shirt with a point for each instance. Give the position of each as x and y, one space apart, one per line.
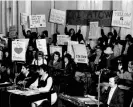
112 90
39 62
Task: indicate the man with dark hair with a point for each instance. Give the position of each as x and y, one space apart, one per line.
113 97
25 77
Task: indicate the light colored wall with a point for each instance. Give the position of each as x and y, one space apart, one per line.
65 5
0 17
42 7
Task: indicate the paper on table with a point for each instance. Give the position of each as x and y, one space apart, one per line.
15 91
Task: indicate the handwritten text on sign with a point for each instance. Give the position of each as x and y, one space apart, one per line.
37 21
18 51
62 39
12 31
121 19
57 16
94 34
41 45
80 53
23 19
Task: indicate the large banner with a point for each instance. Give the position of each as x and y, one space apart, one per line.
23 19
94 30
83 17
55 48
57 16
42 46
12 31
62 39
37 21
18 51
80 53
122 19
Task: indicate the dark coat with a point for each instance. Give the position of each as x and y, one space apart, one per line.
117 99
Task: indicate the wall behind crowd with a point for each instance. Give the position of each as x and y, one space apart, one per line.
10 10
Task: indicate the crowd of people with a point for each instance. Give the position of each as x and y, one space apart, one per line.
61 74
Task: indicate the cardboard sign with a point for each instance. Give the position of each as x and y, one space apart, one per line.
62 39
42 46
80 53
56 48
37 21
70 48
83 17
12 31
94 30
18 51
57 16
24 40
23 19
122 19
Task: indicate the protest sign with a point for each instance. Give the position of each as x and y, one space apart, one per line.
55 48
42 46
83 17
70 48
18 51
37 21
57 16
23 19
62 39
24 40
94 30
80 53
122 19
12 31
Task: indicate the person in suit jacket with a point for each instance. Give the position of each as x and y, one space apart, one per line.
25 77
113 96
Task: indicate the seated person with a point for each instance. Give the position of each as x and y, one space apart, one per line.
44 83
5 74
39 60
113 96
25 77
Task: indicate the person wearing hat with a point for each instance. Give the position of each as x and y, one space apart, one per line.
109 57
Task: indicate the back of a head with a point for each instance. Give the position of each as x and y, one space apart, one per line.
128 36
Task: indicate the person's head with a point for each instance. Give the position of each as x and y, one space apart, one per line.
6 54
41 70
28 32
56 55
128 37
72 31
98 51
39 55
67 58
130 66
130 41
25 68
44 34
113 81
110 35
100 40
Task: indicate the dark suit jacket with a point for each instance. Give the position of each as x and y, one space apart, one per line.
32 77
117 98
